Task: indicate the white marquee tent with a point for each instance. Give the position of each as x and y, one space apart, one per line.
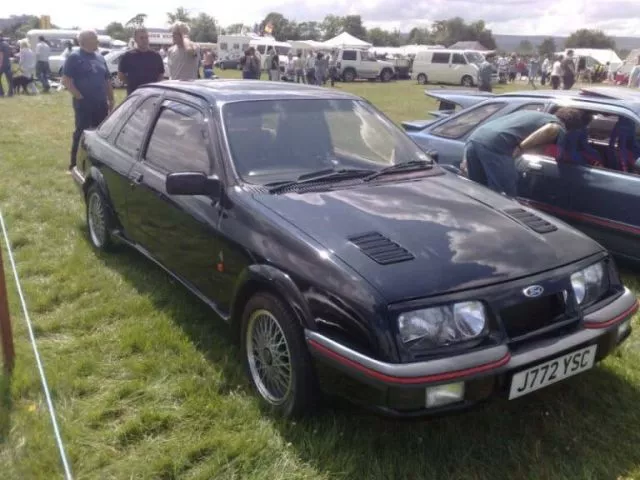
346 40
602 55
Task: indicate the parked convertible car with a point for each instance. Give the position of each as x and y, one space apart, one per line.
592 185
343 257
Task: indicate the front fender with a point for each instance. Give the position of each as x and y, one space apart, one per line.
270 278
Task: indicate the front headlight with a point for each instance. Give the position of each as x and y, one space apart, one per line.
590 284
444 325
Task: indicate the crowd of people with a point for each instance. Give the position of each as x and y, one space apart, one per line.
559 71
313 68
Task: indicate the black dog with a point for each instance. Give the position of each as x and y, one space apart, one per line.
20 81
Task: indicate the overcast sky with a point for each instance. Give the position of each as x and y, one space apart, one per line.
523 17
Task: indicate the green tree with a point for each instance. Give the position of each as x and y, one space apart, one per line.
419 36
331 26
234 29
283 29
353 26
448 32
309 31
204 29
547 47
136 21
180 14
118 31
585 38
525 47
378 37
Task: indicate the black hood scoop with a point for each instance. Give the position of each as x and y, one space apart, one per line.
380 249
531 220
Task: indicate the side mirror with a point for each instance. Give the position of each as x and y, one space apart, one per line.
192 183
433 154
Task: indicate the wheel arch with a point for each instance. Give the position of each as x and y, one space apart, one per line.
267 278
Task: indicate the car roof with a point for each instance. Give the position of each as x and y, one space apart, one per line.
228 90
617 96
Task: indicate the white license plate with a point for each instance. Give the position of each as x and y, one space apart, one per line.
552 371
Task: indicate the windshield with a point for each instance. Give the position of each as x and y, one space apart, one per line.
279 140
474 57
368 56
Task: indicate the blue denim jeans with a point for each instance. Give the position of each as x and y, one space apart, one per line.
8 74
495 170
42 74
88 114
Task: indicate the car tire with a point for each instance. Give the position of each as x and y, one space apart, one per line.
349 75
269 329
386 76
467 81
99 220
422 79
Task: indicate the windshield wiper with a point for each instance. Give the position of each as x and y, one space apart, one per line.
402 167
320 175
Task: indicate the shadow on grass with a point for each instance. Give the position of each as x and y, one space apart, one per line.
587 427
6 405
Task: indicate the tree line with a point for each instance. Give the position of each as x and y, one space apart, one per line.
205 28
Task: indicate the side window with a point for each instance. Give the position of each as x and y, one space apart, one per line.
349 55
440 57
466 121
223 46
178 142
536 107
118 116
130 137
458 59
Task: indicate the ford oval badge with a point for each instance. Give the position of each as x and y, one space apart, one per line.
533 291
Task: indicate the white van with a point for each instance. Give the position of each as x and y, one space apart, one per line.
458 67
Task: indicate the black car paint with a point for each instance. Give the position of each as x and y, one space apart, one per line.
226 248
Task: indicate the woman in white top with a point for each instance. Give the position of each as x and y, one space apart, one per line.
556 73
27 62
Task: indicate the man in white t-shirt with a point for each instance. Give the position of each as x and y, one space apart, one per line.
42 63
183 56
556 73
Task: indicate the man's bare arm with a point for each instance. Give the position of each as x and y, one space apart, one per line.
110 101
542 136
69 85
122 77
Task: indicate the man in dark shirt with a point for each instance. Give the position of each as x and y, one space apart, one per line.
5 66
87 78
568 71
140 65
491 150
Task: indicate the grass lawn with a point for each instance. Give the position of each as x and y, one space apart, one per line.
147 385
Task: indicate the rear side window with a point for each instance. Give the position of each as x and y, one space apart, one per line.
118 116
458 59
130 137
536 107
349 55
440 57
178 142
465 122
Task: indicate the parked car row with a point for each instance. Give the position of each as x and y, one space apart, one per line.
344 258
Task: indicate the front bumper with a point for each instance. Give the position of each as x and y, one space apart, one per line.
399 389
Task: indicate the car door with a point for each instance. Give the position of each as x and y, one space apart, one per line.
179 231
439 68
603 200
123 133
458 69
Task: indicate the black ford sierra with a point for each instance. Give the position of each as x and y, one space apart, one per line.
345 259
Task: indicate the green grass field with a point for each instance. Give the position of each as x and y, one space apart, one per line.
148 386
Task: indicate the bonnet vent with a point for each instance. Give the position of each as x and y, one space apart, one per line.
531 220
380 249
